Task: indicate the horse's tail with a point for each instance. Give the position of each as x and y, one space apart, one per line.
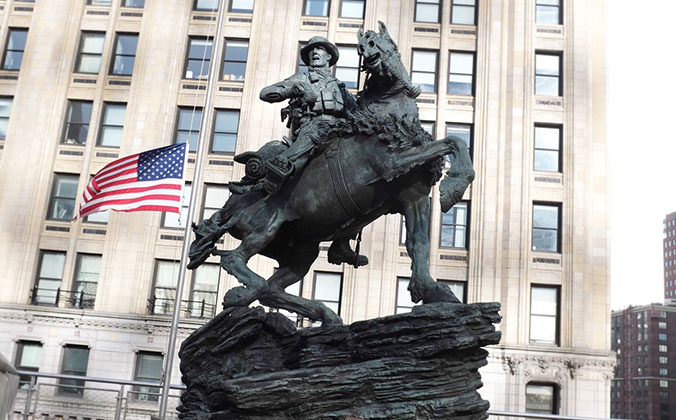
458 177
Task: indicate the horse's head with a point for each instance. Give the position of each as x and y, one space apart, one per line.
382 60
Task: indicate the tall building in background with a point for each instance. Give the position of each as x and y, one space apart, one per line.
644 387
83 82
669 248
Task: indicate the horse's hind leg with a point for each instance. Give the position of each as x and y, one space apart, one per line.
291 272
422 286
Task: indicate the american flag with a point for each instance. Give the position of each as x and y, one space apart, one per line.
147 181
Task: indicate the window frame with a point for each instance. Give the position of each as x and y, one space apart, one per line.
221 74
6 118
232 11
340 289
213 132
462 298
559 13
76 382
67 123
473 74
559 77
10 30
556 396
559 229
20 344
124 4
467 226
102 124
436 69
205 191
336 66
78 265
178 121
80 53
469 126
475 14
196 9
328 9
439 4
397 306
363 9
52 195
557 333
559 151
185 202
208 312
38 277
153 295
207 59
115 54
152 392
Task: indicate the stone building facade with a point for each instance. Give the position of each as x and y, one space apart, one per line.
669 249
83 82
644 386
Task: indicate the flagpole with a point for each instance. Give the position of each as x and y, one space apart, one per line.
201 146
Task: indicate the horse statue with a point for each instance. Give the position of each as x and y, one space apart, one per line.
378 161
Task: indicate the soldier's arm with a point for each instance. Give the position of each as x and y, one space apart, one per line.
349 101
288 88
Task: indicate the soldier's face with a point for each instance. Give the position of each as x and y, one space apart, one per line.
319 57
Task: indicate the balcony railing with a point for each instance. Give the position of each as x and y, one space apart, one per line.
71 298
192 308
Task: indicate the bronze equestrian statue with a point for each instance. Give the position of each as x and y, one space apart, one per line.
376 160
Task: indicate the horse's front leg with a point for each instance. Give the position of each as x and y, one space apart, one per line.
422 286
403 162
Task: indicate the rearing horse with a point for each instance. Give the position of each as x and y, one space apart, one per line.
379 161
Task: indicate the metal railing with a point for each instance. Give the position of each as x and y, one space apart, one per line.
541 416
192 308
73 298
46 396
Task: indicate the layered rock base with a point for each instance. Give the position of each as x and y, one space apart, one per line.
252 365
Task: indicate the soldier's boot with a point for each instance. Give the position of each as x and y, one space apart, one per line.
291 161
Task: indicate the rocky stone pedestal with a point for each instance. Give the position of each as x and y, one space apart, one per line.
249 364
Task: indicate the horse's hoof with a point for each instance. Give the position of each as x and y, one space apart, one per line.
362 260
239 296
439 292
333 319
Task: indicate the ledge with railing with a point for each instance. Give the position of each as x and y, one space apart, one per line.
192 308
72 298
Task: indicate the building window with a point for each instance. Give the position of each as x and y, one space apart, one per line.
148 369
204 291
112 124
547 145
542 398
164 289
75 361
461 73
226 124
234 60
544 313
463 131
463 12
28 357
662 337
454 226
347 67
206 5
404 303
423 70
664 383
662 348
427 11
76 127
327 289
89 53
548 12
301 67
546 227
188 127
16 44
124 55
664 372
198 59
134 3
662 325
241 6
664 360
86 280
62 201
178 221
428 126
49 277
548 74
316 8
352 9
99 2
5 109
215 197
458 288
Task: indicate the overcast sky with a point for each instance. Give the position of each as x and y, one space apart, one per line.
641 52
